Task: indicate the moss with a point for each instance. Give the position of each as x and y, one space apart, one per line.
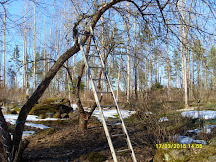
51 106
43 109
42 116
15 110
55 100
57 115
116 116
95 157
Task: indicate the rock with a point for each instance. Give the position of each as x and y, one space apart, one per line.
42 116
65 108
57 115
64 115
51 106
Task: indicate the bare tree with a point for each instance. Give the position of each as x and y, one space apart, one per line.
4 49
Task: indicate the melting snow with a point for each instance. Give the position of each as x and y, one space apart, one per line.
11 118
40 126
113 113
108 113
163 119
27 133
187 140
205 114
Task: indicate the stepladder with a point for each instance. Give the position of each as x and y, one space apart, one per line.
101 85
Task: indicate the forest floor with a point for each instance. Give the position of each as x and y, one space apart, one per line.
65 142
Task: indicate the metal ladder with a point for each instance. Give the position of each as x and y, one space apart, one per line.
101 108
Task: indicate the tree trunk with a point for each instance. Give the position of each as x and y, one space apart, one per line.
135 60
184 52
34 49
83 121
4 50
15 64
128 62
24 55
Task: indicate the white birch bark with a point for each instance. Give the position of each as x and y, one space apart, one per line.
4 49
15 63
182 5
135 59
128 61
24 53
44 50
34 48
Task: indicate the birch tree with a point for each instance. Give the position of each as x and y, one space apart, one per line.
34 49
4 48
182 6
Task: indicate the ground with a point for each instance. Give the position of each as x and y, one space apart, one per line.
65 142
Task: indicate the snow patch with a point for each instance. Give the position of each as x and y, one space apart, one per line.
108 113
205 114
74 106
163 119
187 140
113 113
40 126
27 133
11 118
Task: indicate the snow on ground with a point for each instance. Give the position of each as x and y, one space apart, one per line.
205 114
163 119
206 129
74 106
11 118
187 140
27 133
113 113
108 113
40 126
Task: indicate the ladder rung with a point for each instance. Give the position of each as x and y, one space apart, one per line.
117 135
108 106
123 150
104 92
